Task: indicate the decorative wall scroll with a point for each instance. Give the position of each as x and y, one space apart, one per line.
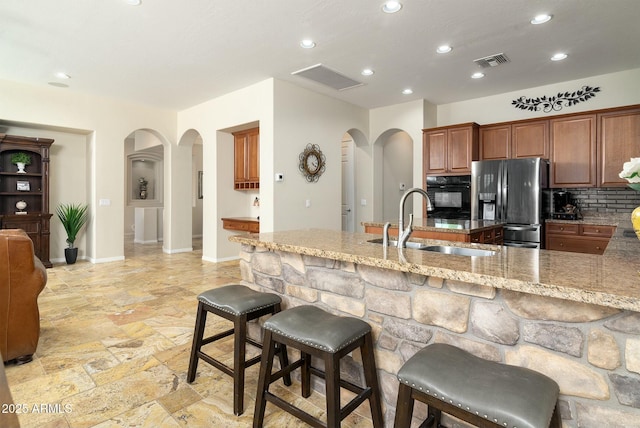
555 102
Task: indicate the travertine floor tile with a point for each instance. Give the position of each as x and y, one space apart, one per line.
114 350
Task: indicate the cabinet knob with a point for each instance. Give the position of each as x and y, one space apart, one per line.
597 230
561 244
597 247
561 228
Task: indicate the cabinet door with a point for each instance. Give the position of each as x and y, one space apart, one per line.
530 140
435 152
573 151
495 142
618 141
460 147
240 173
253 155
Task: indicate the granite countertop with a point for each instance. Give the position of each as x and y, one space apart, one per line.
612 279
465 227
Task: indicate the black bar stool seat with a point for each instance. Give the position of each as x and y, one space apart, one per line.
481 392
238 304
329 337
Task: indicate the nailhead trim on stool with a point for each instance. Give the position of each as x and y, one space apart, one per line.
481 392
238 304
329 337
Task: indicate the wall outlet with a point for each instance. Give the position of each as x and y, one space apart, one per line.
363 202
403 186
307 203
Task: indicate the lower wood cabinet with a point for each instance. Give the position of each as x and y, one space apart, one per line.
241 224
486 236
578 238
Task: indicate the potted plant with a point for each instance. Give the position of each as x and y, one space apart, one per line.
72 217
21 159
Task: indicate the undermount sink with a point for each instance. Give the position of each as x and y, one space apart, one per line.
442 249
394 243
458 251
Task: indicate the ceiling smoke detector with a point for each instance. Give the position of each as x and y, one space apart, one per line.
492 60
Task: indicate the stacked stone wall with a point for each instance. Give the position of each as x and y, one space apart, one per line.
593 352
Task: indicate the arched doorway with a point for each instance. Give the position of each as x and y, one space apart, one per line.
351 146
144 192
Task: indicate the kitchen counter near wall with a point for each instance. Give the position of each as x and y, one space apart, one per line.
623 239
573 317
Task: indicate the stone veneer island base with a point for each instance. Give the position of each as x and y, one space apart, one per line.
592 351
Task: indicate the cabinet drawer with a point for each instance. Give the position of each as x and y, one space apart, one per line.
563 229
476 237
498 233
597 230
241 225
577 245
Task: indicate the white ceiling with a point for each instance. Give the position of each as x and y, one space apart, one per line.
178 53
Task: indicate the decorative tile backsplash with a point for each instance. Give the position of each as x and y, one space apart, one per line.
605 199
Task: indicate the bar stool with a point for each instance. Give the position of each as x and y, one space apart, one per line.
480 392
238 304
320 334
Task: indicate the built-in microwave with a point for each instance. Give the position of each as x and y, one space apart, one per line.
450 196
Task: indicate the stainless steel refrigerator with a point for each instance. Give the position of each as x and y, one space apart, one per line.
514 192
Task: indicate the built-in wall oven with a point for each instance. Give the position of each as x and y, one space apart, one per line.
450 196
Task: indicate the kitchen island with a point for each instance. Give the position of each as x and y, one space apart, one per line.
574 317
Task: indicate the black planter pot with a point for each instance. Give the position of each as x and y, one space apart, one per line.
70 255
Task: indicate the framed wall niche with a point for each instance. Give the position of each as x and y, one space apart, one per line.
144 179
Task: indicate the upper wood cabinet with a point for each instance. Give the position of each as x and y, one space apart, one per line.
618 141
515 140
530 139
573 151
450 150
247 159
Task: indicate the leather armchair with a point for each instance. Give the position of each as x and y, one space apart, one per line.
22 278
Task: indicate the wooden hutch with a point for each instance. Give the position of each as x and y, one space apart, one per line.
24 196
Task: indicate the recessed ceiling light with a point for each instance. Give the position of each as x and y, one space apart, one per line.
407 91
559 57
133 2
307 44
477 75
444 49
391 6
58 84
61 75
541 19
367 72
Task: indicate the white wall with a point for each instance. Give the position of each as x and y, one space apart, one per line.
214 120
616 89
398 168
102 124
303 117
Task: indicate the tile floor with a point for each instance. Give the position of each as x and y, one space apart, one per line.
114 350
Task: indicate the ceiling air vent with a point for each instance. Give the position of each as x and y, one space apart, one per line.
325 76
492 60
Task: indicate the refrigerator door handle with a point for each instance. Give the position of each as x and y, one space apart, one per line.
499 210
522 228
503 189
